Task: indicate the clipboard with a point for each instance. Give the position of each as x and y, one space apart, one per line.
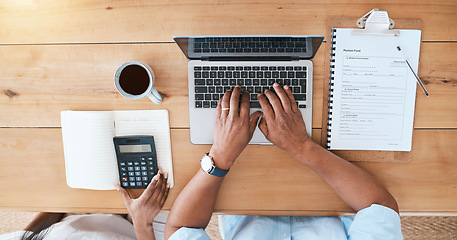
340 22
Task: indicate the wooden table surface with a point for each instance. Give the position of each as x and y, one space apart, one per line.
62 55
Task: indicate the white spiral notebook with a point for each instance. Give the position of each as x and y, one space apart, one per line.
372 91
90 157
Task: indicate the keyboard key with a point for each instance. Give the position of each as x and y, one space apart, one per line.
287 82
301 74
244 74
201 89
303 89
228 74
263 82
220 74
267 74
206 104
301 105
252 74
209 82
248 82
197 74
215 97
254 97
213 74
290 74
303 82
197 68
259 74
270 82
283 74
236 74
240 82
296 89
254 104
300 97
233 82
294 82
199 82
213 104
205 74
250 89
280 81
212 89
275 74
255 82
257 89
219 90
207 96
217 81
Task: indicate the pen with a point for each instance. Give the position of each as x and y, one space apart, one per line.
417 77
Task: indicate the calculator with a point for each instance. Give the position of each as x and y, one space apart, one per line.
137 160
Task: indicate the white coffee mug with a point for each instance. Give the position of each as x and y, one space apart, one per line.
124 85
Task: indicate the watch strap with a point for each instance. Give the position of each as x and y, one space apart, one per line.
218 172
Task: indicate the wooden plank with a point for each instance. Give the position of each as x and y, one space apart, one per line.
44 80
264 180
47 21
37 82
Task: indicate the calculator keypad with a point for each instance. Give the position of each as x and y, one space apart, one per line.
137 172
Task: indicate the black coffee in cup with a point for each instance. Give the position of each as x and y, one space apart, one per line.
134 80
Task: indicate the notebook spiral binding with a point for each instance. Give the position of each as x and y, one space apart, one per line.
330 92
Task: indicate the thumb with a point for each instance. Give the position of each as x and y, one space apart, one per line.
263 127
253 122
125 195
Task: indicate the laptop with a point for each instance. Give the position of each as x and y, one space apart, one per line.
219 63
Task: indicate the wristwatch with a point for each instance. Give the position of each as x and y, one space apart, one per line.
207 164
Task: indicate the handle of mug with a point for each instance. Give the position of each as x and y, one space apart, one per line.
155 96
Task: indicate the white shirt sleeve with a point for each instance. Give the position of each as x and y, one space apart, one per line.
189 234
375 222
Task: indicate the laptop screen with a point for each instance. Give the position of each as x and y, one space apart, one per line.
238 47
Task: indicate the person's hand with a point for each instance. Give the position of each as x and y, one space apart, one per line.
145 208
233 128
282 123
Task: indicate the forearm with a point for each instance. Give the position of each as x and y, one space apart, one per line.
355 186
144 231
194 205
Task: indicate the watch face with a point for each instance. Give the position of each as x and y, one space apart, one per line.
206 163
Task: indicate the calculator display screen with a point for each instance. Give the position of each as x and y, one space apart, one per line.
142 148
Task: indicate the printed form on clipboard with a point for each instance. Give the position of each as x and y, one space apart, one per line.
372 90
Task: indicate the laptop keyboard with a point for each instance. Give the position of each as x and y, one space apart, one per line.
211 82
249 44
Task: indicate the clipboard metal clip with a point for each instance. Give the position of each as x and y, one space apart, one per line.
376 22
